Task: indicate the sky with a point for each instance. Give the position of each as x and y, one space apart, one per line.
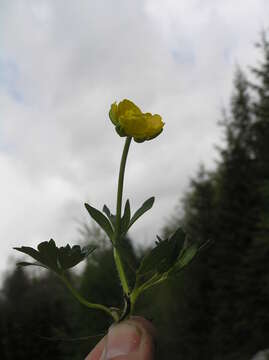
62 64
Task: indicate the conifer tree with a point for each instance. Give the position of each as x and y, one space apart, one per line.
234 280
254 316
221 206
236 219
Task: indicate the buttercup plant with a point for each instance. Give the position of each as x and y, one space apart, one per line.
169 256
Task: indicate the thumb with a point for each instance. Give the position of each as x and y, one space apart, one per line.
131 339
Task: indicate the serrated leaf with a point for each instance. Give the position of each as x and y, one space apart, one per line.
164 255
87 250
69 257
48 254
57 259
147 205
125 221
101 220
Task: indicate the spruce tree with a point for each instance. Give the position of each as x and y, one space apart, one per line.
254 315
220 207
236 219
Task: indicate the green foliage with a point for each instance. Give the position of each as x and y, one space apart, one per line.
108 224
112 218
164 261
164 256
101 220
125 221
57 259
147 205
169 256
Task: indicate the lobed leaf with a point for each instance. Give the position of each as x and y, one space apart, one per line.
164 256
57 259
69 257
48 254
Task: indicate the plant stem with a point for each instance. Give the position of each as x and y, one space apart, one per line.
134 296
120 182
121 272
137 291
117 234
84 302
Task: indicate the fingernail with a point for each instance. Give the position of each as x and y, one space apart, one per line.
122 339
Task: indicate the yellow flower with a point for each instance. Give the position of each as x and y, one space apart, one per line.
130 121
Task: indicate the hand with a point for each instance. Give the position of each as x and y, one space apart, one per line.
132 339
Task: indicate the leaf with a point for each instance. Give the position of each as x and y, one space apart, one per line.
49 254
151 261
147 205
106 211
101 220
125 221
29 251
167 259
174 247
187 255
165 254
69 257
110 216
57 259
25 263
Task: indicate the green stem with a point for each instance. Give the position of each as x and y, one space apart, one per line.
121 271
84 302
117 234
137 291
120 183
134 296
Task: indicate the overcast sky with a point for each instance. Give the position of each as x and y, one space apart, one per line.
63 62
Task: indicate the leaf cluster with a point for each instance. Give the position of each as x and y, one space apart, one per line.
107 221
168 258
164 261
57 259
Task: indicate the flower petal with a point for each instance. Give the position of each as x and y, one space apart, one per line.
113 113
127 105
130 121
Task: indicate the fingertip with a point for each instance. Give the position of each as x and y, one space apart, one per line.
132 339
147 346
97 351
145 324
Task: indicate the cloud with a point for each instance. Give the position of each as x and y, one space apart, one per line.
64 63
